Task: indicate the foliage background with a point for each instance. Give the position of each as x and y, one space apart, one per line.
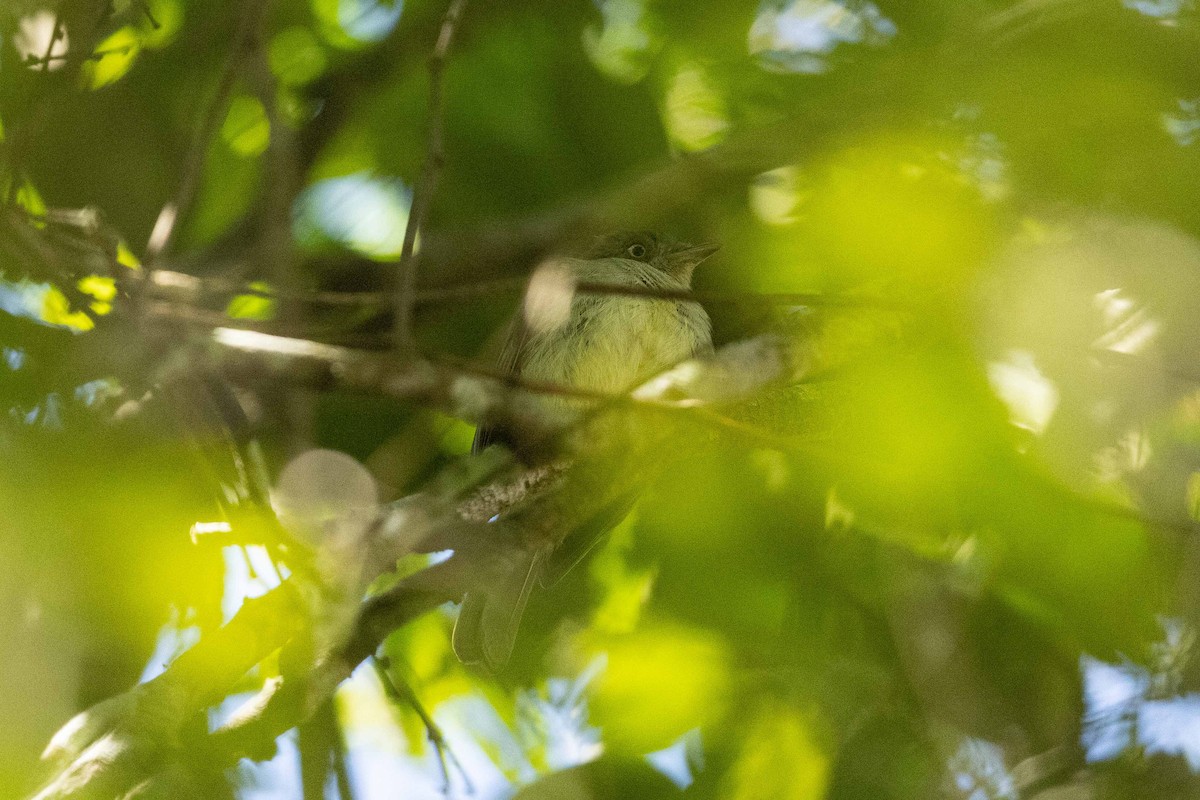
955 559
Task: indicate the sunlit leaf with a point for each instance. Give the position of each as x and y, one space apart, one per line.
103 288
113 57
56 310
30 199
781 758
693 109
296 56
660 681
126 257
458 437
246 129
253 306
169 16
623 46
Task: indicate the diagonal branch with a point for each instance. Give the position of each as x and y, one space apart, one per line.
402 693
427 182
167 225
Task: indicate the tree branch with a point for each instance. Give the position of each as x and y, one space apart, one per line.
162 235
402 694
189 285
427 182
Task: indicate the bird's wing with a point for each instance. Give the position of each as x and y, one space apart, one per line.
510 364
581 541
487 624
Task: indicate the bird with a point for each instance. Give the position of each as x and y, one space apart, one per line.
603 343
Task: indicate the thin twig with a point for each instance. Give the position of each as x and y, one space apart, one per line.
515 381
427 182
55 35
210 286
381 374
95 55
145 7
19 141
341 768
741 298
281 170
488 288
402 692
279 187
167 224
88 18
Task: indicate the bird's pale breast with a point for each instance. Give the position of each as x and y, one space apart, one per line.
612 343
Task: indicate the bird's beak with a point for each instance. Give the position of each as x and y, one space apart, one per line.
694 254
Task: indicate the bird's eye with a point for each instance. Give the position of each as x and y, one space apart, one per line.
637 251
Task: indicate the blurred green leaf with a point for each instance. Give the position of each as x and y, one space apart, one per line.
296 56
251 306
601 780
683 674
246 129
780 759
114 57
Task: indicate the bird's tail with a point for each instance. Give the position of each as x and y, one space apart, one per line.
490 617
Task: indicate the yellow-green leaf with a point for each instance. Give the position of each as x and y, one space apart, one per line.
246 130
112 58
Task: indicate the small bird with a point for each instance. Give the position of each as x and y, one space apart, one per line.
603 343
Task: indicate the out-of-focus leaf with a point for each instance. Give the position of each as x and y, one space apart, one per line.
253 306
28 198
246 129
57 310
226 195
625 589
884 759
167 20
114 57
781 758
659 682
126 257
296 56
101 287
605 779
898 208
693 110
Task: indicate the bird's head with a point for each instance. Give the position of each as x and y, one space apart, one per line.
677 259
